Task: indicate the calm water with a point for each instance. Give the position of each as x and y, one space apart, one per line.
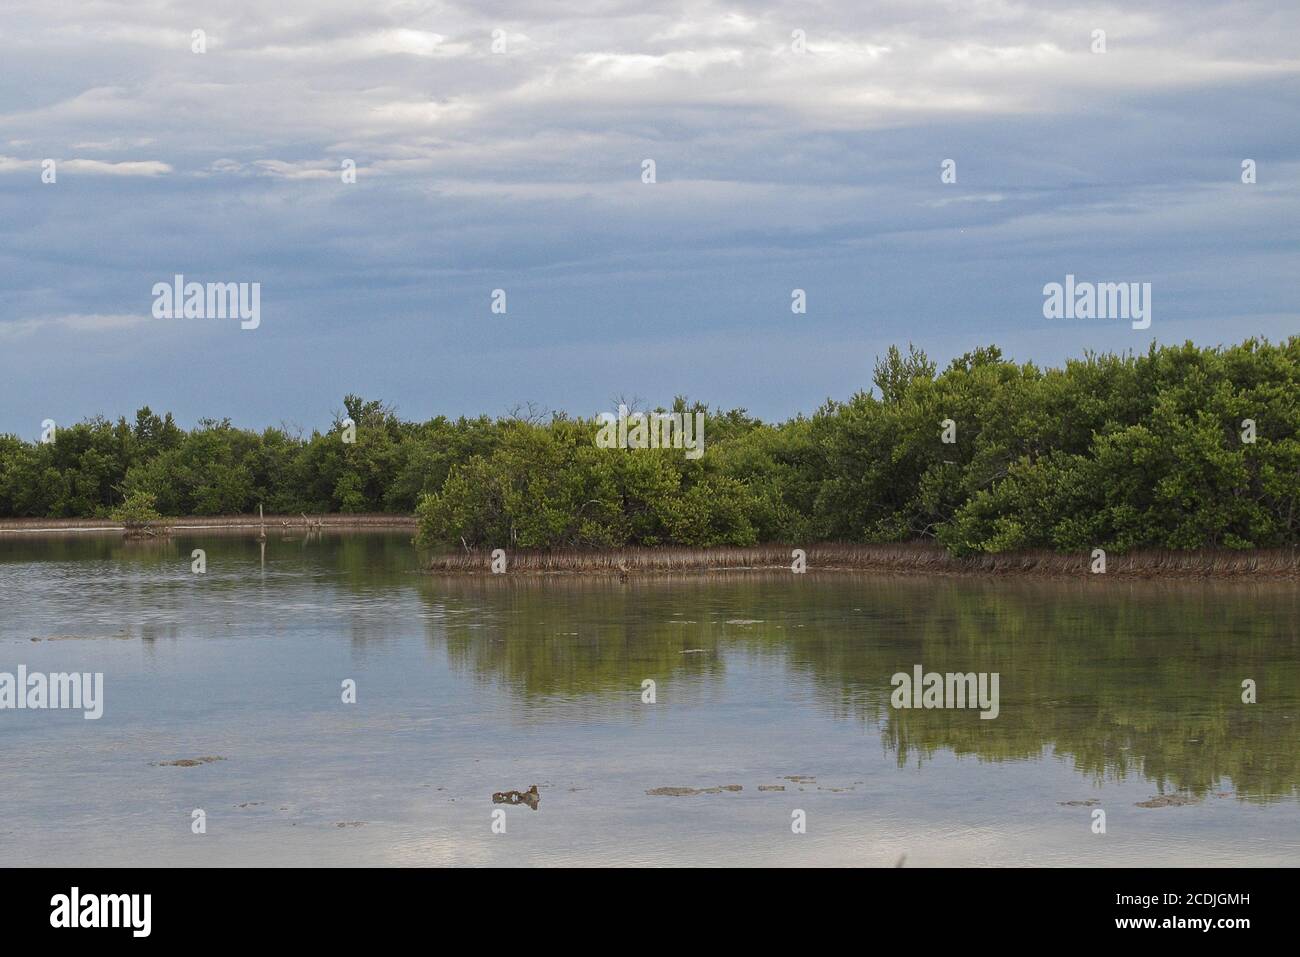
1110 692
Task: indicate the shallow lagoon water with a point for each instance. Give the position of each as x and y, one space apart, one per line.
1111 692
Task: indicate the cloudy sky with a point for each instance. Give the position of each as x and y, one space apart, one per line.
521 169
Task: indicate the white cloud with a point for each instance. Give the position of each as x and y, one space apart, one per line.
396 42
277 76
127 168
93 167
76 322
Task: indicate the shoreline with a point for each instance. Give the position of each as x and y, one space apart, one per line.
199 522
907 558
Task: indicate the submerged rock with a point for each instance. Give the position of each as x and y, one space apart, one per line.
1167 800
83 638
688 792
186 762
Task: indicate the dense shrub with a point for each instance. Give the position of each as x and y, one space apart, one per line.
1110 451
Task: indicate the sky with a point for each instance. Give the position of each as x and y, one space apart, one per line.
500 145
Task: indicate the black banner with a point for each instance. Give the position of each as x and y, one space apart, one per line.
215 906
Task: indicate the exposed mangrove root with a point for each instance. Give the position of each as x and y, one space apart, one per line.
145 531
925 558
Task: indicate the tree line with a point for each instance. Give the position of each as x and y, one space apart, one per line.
1181 447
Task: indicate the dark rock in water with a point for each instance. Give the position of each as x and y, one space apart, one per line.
1091 802
529 797
186 762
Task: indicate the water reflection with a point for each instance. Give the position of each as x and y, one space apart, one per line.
1120 679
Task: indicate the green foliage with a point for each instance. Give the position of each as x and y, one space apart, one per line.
138 509
1118 452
